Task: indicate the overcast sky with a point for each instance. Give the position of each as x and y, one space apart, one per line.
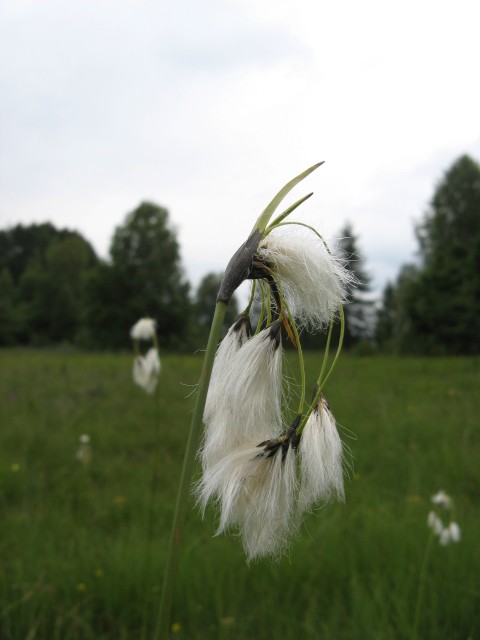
209 107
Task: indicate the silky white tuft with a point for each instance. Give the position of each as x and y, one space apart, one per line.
455 532
84 451
244 398
320 459
442 499
313 280
228 347
146 370
435 523
449 534
143 329
256 493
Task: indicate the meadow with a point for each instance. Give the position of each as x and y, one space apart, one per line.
82 546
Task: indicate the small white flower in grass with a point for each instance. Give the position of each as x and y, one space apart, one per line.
451 533
84 451
313 280
320 458
455 533
441 499
435 523
146 370
143 329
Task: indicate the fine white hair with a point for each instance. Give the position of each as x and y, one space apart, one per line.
320 459
244 397
143 329
313 280
146 370
256 493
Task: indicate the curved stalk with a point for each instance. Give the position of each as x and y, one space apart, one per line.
322 382
162 629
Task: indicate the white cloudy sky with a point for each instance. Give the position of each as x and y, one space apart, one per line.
209 107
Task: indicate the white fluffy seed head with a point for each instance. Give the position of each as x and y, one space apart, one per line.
320 459
267 523
236 336
445 537
143 329
435 523
254 385
442 499
313 280
255 493
455 532
244 398
146 370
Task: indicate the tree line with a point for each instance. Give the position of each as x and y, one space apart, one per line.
55 289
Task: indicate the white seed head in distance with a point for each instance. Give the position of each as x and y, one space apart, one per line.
84 451
143 329
146 369
445 537
455 532
442 499
320 459
313 280
435 523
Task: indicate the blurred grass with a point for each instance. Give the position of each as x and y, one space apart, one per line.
82 554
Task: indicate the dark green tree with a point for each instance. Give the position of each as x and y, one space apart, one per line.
442 301
8 320
359 311
48 268
144 278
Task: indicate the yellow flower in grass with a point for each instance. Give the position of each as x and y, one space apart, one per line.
176 627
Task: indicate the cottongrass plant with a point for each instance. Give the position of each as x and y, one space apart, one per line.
265 463
145 371
446 533
146 367
84 451
442 505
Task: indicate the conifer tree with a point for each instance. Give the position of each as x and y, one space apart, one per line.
442 305
359 310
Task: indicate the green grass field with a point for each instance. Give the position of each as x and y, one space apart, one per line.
83 547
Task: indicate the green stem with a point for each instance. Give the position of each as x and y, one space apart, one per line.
162 629
322 382
421 586
155 458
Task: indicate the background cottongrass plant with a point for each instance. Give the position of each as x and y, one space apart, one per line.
84 451
255 468
446 533
146 367
443 505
